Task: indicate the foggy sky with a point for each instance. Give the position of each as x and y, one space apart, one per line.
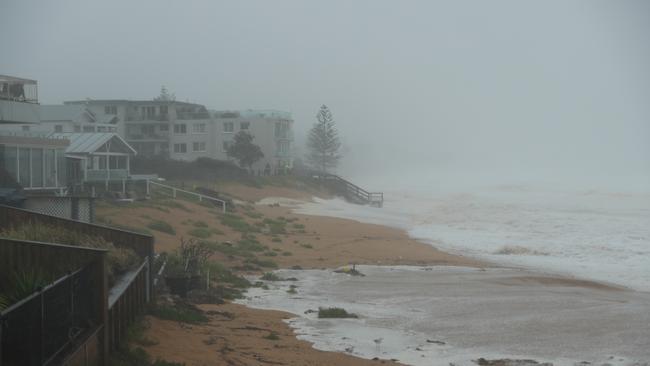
460 91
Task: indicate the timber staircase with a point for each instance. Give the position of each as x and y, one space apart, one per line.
351 191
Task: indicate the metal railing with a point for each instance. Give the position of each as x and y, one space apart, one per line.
175 191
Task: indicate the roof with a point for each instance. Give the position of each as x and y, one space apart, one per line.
88 143
131 102
253 113
13 79
63 112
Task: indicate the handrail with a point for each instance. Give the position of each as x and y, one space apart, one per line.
118 290
199 195
370 197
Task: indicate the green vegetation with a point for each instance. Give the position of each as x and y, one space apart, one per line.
270 253
180 312
299 226
200 224
162 226
292 290
172 204
224 275
237 223
276 227
119 259
275 239
200 232
273 336
307 246
263 263
287 253
335 313
270 276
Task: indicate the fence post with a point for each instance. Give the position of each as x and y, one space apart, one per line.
174 192
147 187
147 274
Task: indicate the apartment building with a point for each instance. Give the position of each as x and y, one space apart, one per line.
272 131
178 130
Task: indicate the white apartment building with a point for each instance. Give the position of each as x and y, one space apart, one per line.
178 130
272 131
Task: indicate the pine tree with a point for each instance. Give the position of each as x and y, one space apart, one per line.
323 142
244 150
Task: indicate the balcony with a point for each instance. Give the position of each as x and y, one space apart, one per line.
18 100
144 137
192 115
103 175
135 117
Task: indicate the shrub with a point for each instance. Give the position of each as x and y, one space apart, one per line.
270 253
335 313
236 223
162 226
263 263
307 246
287 253
200 232
119 260
273 336
270 276
275 239
200 224
184 313
298 226
222 274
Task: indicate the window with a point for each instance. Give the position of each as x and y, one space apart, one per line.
180 129
228 127
10 160
24 167
282 148
117 162
89 128
199 128
226 145
244 125
282 130
110 109
164 127
180 148
49 167
58 128
198 146
77 129
25 128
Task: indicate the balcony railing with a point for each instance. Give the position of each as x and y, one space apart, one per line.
18 90
102 175
147 137
147 117
192 115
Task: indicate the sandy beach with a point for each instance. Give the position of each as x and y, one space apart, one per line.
238 335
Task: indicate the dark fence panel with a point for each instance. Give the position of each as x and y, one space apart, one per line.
40 329
127 300
140 243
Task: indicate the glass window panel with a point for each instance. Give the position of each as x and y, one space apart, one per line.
24 167
11 161
61 167
49 164
37 167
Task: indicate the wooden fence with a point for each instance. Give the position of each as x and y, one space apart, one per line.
43 327
126 301
116 309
